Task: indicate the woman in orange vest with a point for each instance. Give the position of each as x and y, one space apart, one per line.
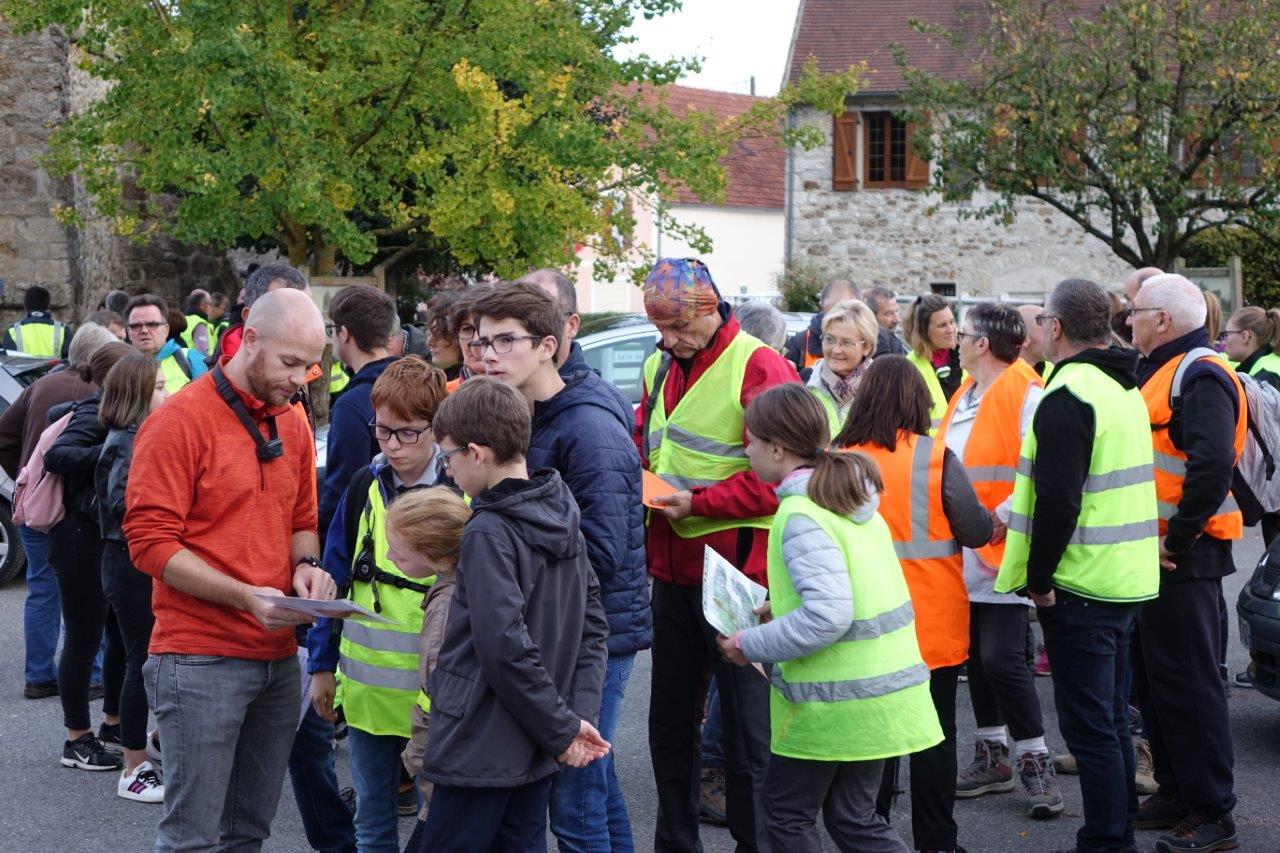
984 425
931 510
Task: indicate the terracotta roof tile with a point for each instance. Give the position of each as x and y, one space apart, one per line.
755 167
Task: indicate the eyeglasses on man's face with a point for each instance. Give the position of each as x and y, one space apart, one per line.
1041 319
502 344
149 326
444 459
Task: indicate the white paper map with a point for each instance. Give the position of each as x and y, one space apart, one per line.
334 609
729 598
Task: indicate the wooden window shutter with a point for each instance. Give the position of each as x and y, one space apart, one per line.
844 170
917 168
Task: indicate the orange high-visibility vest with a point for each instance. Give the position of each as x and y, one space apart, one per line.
809 358
452 385
912 507
1171 463
991 453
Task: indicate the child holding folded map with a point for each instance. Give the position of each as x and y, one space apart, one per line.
849 688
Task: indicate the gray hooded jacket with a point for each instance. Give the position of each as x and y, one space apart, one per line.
523 658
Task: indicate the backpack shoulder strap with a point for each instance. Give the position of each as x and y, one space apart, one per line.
659 378
1175 389
180 356
357 496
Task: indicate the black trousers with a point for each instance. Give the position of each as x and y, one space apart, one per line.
1184 706
1003 690
129 592
933 773
684 658
75 554
465 820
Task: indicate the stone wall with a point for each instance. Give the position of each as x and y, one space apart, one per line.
888 237
40 86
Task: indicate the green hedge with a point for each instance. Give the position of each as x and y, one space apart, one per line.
1259 257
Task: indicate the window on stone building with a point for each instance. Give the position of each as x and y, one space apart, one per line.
888 160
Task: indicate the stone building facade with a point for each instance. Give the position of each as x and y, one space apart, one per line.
40 87
890 236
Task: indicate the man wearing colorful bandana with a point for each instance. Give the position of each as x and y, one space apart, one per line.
689 428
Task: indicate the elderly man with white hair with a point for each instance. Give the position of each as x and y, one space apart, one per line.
1180 634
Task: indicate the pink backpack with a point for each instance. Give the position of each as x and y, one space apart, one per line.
37 497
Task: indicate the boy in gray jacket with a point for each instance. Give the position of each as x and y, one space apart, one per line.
517 686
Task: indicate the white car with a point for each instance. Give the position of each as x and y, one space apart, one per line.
617 345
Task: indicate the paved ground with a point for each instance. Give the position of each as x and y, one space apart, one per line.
48 808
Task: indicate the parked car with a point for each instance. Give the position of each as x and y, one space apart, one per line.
1259 611
17 371
616 346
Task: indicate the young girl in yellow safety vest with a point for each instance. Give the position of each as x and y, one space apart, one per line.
849 686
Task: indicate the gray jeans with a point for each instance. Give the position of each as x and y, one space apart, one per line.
226 727
844 792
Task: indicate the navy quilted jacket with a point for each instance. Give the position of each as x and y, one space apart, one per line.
584 432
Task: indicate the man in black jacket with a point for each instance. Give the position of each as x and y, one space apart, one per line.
1181 634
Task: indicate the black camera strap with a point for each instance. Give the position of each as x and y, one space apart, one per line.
267 448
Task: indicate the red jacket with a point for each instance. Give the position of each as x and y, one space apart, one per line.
675 559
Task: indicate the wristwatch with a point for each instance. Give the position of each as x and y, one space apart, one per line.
310 560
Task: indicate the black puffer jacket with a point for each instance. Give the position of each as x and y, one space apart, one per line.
75 455
110 479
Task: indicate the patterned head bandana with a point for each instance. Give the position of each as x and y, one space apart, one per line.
680 289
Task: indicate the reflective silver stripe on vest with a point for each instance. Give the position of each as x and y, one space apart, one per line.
935 423
1167 510
1102 535
655 439
1025 466
991 473
687 482
379 676
885 623
856 688
699 444
920 547
382 641
1171 464
1119 479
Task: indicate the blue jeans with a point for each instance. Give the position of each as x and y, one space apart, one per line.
1088 646
326 819
713 731
226 725
588 812
42 614
375 774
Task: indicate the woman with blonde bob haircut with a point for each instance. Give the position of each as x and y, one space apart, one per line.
132 389
849 333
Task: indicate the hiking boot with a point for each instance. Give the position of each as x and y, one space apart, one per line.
87 753
40 690
1036 772
407 801
95 692
989 773
1042 669
1144 778
1160 811
348 797
1065 765
711 804
109 734
1199 834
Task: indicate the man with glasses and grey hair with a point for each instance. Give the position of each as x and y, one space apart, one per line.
1197 440
1082 544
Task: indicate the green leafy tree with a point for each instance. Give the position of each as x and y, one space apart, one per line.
1146 122
498 132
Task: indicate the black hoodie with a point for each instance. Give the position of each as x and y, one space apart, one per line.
523 658
1064 429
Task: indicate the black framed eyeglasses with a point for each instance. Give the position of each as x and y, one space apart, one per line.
150 327
404 435
465 333
502 344
1129 314
444 459
973 336
330 328
1041 318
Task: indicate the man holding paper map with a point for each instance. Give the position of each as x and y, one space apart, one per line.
221 511
690 432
